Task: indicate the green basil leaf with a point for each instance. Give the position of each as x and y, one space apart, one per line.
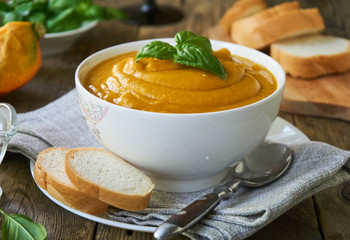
95 12
60 15
182 36
10 17
191 50
17 2
86 11
39 6
24 9
191 38
5 7
156 49
64 21
113 13
191 55
36 17
92 12
64 4
18 226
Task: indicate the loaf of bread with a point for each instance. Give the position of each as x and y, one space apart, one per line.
109 178
313 55
50 175
270 25
239 10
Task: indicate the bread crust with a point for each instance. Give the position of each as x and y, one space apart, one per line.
116 199
271 12
67 194
268 26
240 9
311 67
39 171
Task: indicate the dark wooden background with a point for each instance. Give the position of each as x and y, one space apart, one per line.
326 215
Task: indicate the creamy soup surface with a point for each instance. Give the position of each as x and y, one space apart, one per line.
164 86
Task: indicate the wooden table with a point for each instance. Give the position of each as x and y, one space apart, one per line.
326 215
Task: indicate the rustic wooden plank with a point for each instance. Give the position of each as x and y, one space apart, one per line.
334 132
334 212
56 77
325 96
199 16
287 116
166 30
108 232
299 222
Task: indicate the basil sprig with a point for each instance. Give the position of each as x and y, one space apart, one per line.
57 15
190 50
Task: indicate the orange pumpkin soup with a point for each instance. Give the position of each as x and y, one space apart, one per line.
164 86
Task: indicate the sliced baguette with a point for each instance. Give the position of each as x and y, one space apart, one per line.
277 23
313 55
109 178
49 174
239 10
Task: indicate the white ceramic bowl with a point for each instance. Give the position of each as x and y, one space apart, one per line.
180 152
54 43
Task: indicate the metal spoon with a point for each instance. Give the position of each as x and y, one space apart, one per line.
262 166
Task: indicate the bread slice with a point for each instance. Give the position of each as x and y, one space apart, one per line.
313 55
49 174
239 10
277 23
109 178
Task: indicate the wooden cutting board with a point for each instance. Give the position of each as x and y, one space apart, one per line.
327 96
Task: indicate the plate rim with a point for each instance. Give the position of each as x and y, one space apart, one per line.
279 122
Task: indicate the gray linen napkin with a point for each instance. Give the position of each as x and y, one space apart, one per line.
315 166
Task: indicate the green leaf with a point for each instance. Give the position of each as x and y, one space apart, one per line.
191 50
36 17
5 7
17 2
156 49
64 4
39 6
10 17
64 21
57 15
24 8
18 227
191 38
191 55
113 13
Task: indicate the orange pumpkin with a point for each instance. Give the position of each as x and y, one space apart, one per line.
20 57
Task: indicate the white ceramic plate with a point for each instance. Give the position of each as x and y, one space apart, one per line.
281 131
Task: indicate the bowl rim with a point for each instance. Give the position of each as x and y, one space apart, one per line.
279 90
84 27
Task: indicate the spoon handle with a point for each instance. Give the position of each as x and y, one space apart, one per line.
187 217
194 212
